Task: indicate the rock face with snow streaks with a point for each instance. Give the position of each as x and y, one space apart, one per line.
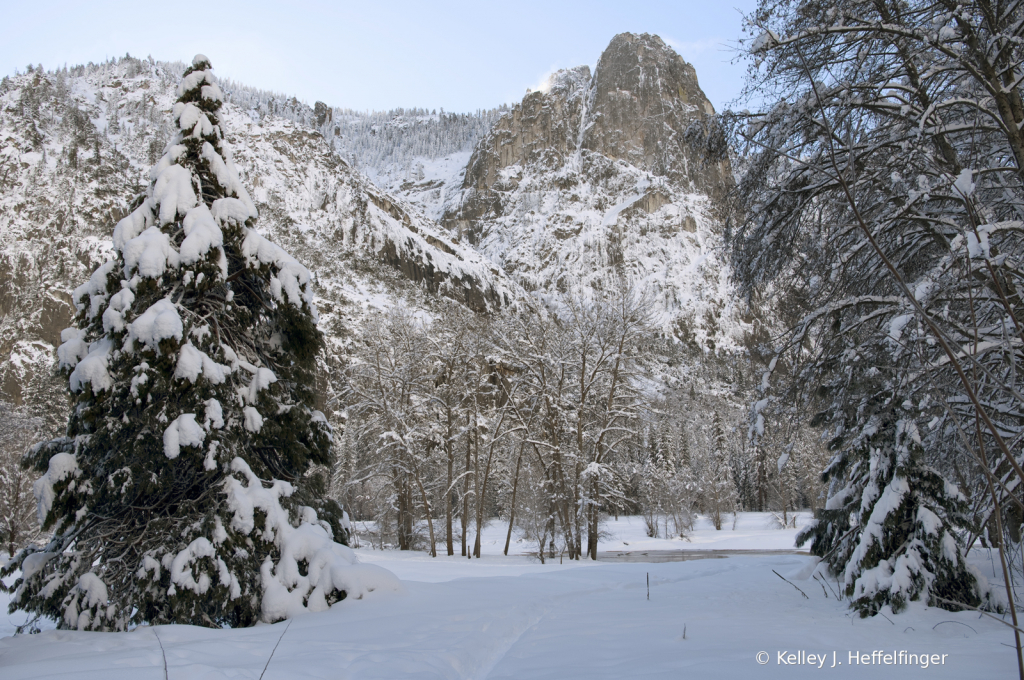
594 181
644 99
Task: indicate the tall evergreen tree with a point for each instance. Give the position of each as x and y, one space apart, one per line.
179 493
717 488
889 531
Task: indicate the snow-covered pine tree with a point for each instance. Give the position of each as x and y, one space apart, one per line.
178 493
888 531
715 474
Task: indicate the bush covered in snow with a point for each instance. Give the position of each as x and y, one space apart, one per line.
180 491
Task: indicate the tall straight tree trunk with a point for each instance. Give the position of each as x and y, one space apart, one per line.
465 499
512 510
405 514
592 517
449 491
577 517
477 492
426 511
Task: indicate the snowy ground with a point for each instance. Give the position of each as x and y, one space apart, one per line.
511 617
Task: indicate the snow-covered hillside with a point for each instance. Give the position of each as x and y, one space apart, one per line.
582 186
75 147
414 154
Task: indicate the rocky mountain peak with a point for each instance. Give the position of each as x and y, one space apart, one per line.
644 98
637 107
595 180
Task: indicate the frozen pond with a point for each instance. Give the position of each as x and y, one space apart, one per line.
684 555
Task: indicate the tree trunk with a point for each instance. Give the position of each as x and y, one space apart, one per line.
478 497
512 511
465 501
405 512
449 491
592 516
426 511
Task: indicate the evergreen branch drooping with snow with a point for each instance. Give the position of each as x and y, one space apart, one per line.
179 492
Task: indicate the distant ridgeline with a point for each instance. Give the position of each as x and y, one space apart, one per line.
374 139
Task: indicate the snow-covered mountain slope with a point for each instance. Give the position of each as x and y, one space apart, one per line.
75 147
414 154
427 183
593 180
588 183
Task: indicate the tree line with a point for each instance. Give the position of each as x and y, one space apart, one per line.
545 420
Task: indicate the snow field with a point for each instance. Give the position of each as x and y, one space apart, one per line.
548 622
511 617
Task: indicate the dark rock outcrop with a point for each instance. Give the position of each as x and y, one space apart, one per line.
644 98
637 107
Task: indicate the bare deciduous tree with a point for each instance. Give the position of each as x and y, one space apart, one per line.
18 522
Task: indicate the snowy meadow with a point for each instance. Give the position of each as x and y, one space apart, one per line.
512 617
558 389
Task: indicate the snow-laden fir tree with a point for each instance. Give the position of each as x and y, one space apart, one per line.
179 493
714 474
888 530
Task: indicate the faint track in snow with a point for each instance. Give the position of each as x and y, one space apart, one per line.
511 642
534 621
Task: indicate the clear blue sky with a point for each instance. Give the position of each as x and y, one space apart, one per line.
365 55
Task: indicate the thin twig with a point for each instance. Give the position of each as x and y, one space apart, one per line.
981 611
162 653
275 647
825 581
960 622
790 583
